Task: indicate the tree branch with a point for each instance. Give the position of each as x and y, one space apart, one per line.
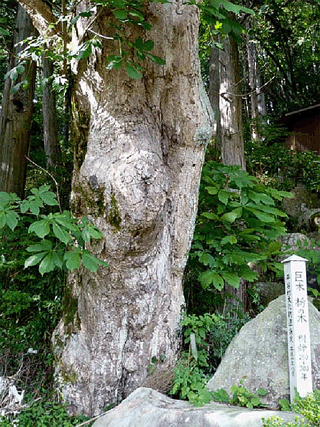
42 18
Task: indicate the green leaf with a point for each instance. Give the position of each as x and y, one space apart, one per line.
148 45
156 59
44 245
4 32
207 259
40 228
73 259
92 263
132 71
223 196
61 234
229 239
232 279
49 198
263 216
231 7
136 14
34 259
47 264
210 215
229 217
120 14
3 220
212 190
210 277
115 62
12 219
261 392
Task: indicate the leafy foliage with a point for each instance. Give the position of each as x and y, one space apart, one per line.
241 396
203 336
283 167
44 414
63 238
238 224
308 407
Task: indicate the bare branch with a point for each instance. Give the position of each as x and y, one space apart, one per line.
42 17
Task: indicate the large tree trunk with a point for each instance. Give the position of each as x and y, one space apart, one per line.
225 99
139 149
16 114
50 123
232 139
257 99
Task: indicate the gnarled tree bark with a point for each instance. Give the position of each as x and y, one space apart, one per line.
139 148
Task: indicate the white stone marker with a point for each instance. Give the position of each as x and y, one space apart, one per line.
298 326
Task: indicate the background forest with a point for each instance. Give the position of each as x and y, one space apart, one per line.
256 68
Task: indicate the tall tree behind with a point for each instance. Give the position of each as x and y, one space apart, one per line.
257 99
226 101
50 124
16 114
225 97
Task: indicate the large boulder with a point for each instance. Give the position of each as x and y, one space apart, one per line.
148 408
259 355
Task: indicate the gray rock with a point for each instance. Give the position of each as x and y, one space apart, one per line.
259 355
302 199
148 408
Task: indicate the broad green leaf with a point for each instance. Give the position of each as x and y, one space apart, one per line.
229 239
136 14
274 247
229 217
7 198
231 7
73 259
210 215
90 262
212 190
49 198
4 32
12 219
132 71
207 259
223 196
58 258
47 264
263 216
3 220
232 279
44 245
20 68
34 259
90 232
208 278
156 59
114 62
60 233
40 228
120 14
148 45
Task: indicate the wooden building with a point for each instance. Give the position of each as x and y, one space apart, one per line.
304 128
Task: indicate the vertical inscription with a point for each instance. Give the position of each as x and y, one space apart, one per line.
299 353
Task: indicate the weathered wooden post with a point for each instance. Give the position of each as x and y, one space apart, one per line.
298 326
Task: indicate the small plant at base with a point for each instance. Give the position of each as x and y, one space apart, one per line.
44 414
243 397
308 407
189 378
